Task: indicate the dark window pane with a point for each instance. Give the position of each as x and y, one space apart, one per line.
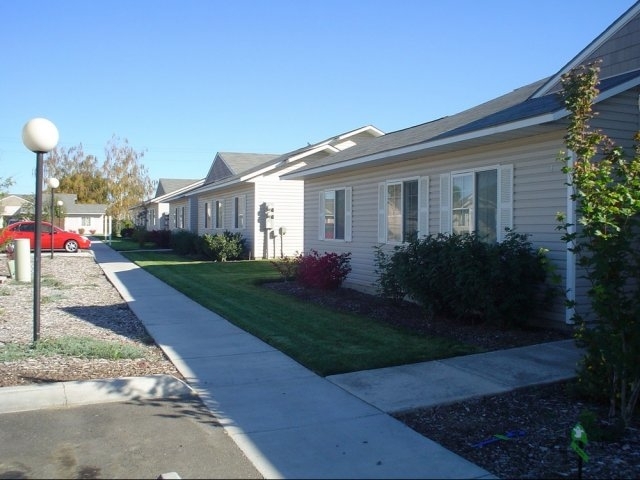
487 205
410 210
340 214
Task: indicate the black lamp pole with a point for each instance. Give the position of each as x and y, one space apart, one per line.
37 249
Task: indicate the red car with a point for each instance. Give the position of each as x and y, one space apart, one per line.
62 240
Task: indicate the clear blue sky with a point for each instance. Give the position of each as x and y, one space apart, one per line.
185 79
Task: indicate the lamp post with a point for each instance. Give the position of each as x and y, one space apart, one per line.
53 184
59 212
40 136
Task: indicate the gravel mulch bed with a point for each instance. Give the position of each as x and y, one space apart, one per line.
78 300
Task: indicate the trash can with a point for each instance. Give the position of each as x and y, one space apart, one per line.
22 255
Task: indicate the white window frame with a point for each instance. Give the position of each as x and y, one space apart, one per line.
85 221
219 214
423 207
347 215
207 215
504 215
240 212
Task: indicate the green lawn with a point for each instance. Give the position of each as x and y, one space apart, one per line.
126 244
323 340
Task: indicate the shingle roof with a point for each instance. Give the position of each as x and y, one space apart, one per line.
71 207
427 131
168 185
533 107
510 108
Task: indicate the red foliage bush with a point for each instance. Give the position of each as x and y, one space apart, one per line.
326 272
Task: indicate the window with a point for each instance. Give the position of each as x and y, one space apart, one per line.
152 217
480 201
219 214
334 215
179 217
402 209
239 204
86 221
207 214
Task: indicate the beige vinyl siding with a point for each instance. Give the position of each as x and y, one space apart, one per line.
286 197
227 196
535 169
619 118
182 207
620 50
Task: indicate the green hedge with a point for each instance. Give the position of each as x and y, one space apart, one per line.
463 277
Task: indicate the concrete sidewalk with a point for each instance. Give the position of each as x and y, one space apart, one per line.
291 423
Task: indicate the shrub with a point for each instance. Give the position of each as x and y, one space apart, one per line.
184 242
223 247
140 235
326 272
287 267
389 270
161 238
127 232
464 277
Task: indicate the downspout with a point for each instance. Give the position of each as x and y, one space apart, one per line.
570 281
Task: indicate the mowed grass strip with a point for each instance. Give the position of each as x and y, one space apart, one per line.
325 341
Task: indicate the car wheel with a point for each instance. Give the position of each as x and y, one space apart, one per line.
71 246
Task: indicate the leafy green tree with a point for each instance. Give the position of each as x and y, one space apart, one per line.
78 173
127 178
606 191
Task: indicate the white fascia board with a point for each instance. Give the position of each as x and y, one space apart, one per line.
169 196
311 151
257 173
634 82
376 132
213 187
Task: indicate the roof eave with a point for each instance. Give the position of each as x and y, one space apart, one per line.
430 144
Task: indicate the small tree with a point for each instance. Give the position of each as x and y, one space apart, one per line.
128 182
5 183
606 189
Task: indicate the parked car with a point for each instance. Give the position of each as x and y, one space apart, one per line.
62 240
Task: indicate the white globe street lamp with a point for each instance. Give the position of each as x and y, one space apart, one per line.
53 184
40 136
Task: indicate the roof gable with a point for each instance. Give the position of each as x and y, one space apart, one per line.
617 48
13 201
228 167
228 164
169 185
